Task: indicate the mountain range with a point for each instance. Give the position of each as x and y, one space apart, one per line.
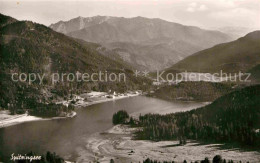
239 55
30 47
152 44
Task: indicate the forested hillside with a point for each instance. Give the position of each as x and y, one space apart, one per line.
28 47
255 73
232 57
233 118
193 91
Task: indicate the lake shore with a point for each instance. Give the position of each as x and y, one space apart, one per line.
7 120
87 99
117 144
11 120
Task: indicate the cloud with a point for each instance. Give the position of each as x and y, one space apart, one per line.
192 7
227 3
231 3
236 12
242 16
202 8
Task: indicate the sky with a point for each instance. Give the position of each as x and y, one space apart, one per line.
202 13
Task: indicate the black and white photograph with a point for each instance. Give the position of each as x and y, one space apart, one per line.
129 81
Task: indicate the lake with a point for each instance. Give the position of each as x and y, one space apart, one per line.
63 136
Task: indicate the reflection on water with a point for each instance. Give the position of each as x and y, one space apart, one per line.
64 135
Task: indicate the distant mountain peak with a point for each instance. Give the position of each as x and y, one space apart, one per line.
152 43
78 23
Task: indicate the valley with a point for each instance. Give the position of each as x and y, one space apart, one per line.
202 115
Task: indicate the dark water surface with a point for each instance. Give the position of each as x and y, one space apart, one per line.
64 135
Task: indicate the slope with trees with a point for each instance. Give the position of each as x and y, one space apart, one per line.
232 118
28 47
193 91
232 57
